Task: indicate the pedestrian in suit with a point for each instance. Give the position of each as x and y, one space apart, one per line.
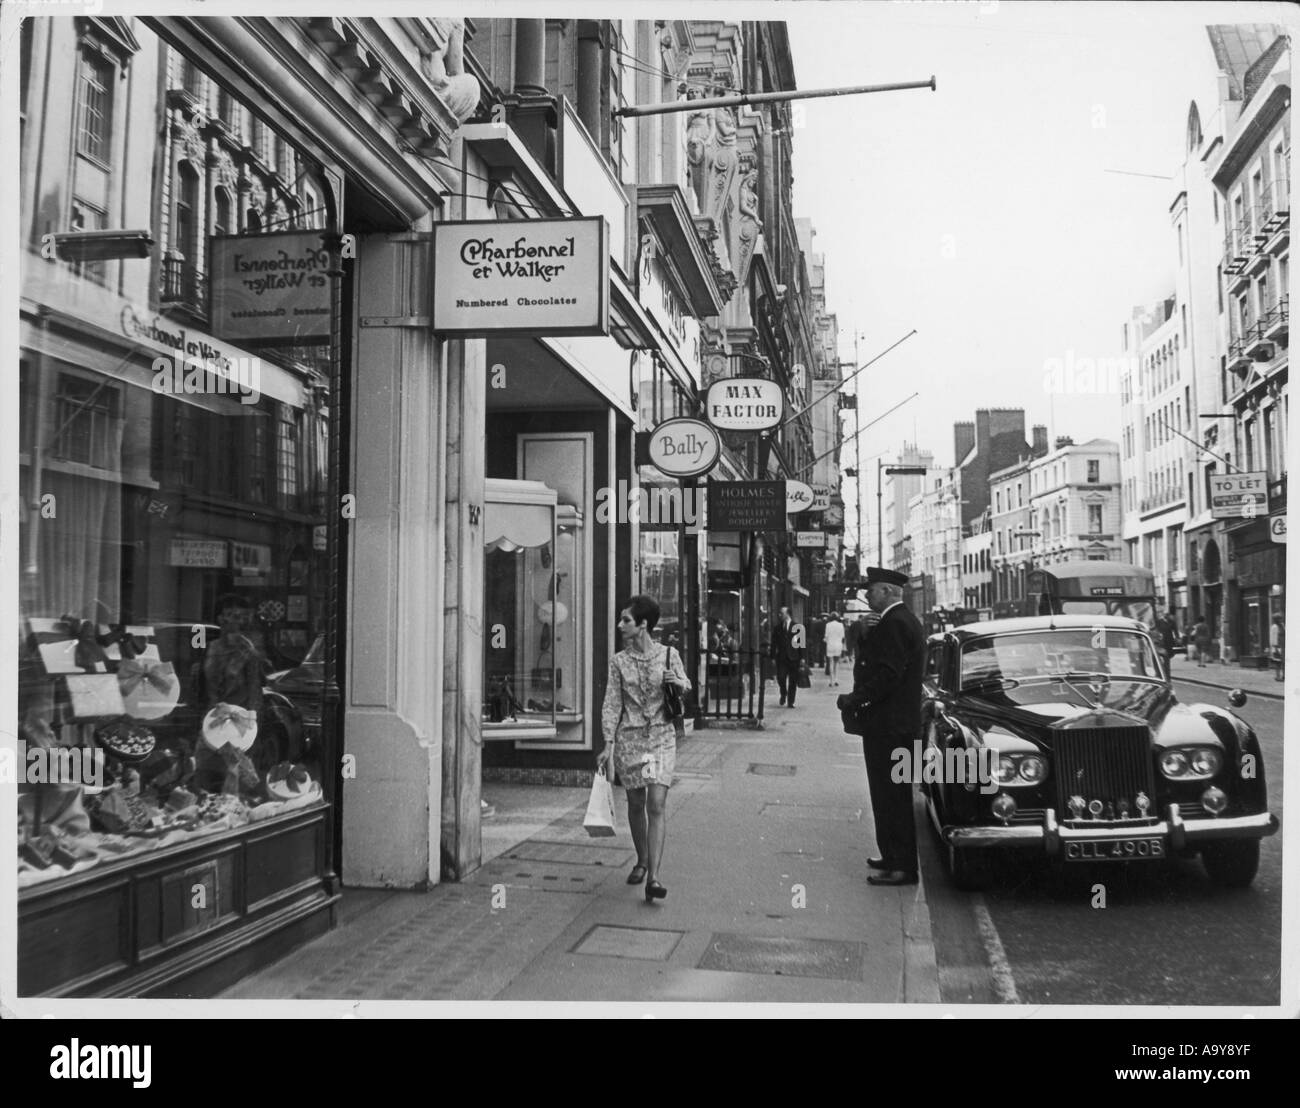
885 709
787 653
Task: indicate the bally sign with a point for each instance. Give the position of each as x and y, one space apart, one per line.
1238 495
684 448
537 276
271 288
744 404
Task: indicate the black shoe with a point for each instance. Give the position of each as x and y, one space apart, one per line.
637 875
877 863
654 891
781 703
893 877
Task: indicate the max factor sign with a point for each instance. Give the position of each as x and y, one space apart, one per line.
537 277
744 404
684 448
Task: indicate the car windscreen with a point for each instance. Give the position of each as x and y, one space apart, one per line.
1084 650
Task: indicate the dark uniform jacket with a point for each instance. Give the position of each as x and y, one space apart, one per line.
783 646
886 697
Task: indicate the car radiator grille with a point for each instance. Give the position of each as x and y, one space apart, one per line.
1107 765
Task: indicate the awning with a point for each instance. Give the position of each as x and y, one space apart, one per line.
517 515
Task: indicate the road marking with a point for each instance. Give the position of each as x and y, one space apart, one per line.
1004 984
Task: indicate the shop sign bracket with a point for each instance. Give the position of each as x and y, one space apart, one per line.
421 321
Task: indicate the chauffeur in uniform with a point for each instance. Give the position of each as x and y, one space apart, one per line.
885 709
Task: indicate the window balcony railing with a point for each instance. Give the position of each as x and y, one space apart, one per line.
1257 346
1238 358
1275 321
184 285
1274 212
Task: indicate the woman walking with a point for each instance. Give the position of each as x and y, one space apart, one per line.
640 738
834 647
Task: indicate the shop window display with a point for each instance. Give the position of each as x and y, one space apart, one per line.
533 615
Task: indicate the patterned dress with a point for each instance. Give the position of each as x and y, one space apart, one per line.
645 743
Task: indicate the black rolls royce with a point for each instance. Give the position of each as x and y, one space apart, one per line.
1061 736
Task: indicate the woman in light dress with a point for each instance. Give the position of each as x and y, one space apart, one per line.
640 739
834 646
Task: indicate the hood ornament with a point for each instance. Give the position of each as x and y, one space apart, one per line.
1143 802
1076 807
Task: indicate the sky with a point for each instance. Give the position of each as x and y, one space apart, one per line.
986 214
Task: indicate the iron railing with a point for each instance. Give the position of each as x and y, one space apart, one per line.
733 687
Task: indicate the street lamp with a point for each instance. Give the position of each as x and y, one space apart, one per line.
881 468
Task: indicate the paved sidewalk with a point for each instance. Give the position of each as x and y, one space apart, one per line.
765 864
1256 682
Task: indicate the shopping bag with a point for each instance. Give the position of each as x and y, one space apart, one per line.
805 676
599 820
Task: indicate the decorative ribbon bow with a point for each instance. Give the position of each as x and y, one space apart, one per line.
132 671
242 718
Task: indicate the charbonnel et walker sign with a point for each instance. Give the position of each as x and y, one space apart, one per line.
535 277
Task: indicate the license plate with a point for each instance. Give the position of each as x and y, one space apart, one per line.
1113 850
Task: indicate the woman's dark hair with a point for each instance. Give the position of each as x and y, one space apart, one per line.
231 600
643 608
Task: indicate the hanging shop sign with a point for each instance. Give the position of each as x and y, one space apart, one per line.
744 404
798 497
271 288
747 506
250 559
538 277
684 448
810 538
1277 528
821 498
1238 495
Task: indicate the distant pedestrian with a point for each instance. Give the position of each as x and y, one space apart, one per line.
639 738
1277 648
788 646
1165 640
834 647
1201 640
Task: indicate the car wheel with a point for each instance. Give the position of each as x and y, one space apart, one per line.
968 869
1233 864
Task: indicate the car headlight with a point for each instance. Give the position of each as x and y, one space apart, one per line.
1173 763
1191 762
1020 769
1033 768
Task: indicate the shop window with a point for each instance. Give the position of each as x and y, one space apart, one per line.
530 612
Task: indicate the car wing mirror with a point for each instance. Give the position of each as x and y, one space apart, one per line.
1236 698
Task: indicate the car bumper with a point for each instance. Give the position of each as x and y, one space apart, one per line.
1050 837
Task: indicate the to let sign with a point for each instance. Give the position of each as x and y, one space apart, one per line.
744 404
747 506
535 277
271 288
684 448
1238 495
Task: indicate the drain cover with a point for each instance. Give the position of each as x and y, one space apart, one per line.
783 957
769 769
644 943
